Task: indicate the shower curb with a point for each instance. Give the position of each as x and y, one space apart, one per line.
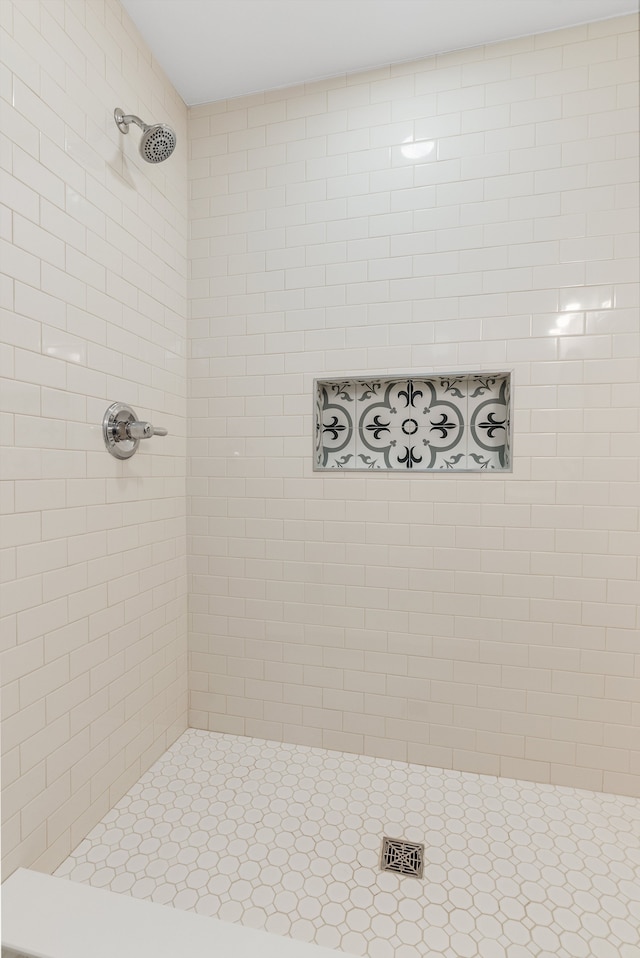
48 917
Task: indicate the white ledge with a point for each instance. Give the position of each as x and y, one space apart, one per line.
47 917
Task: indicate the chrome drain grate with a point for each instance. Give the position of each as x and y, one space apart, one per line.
401 857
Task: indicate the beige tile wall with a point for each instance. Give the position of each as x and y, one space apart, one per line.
94 306
480 622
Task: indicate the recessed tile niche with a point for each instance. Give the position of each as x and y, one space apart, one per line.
447 422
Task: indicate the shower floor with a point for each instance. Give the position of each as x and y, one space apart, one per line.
287 838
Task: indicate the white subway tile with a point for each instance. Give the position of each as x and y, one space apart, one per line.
318 245
55 293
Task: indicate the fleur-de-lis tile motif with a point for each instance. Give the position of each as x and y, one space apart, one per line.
377 427
334 428
410 458
489 423
443 426
334 425
445 422
410 393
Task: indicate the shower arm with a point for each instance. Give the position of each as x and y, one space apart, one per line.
123 120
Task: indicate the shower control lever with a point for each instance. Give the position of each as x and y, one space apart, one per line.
144 430
122 430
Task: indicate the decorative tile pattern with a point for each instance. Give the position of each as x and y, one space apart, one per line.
446 422
287 838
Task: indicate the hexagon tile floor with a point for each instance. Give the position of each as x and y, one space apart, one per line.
287 838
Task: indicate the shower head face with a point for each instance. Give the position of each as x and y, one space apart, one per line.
157 143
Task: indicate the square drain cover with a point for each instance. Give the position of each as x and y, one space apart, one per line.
401 857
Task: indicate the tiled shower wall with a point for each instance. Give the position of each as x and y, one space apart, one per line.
467 212
93 297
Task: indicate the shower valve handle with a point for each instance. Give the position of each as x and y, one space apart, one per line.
143 430
122 430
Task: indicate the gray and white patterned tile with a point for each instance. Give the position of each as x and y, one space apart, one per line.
489 427
409 424
288 838
445 422
335 425
376 422
446 433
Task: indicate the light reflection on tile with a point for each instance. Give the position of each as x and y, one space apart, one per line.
558 324
415 151
575 298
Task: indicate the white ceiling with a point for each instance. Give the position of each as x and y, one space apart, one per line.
215 49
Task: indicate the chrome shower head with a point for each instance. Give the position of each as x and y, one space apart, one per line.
158 141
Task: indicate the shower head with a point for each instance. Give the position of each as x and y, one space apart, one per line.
158 141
